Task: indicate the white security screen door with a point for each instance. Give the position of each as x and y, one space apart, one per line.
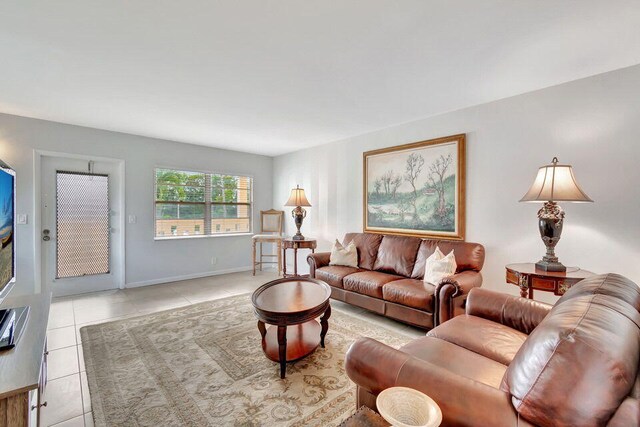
77 226
82 224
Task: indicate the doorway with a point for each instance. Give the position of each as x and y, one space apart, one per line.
81 229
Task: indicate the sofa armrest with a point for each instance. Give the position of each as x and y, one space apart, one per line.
317 260
467 280
374 367
444 294
452 287
627 414
517 313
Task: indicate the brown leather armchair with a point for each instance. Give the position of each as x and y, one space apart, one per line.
515 362
389 277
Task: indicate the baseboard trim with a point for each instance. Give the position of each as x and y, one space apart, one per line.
186 277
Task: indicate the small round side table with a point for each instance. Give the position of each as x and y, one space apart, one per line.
295 245
528 277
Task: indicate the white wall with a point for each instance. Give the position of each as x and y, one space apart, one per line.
147 261
593 124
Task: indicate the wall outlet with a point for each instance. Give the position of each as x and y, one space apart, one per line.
22 219
214 260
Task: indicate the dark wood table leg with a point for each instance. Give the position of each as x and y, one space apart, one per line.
295 261
282 343
284 262
324 322
523 292
262 329
523 283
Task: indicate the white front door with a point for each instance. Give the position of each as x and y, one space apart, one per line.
80 236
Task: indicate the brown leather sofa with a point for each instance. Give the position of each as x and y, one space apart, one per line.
515 362
389 276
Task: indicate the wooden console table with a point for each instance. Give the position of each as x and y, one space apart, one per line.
528 277
295 245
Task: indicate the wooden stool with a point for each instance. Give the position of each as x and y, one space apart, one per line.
271 221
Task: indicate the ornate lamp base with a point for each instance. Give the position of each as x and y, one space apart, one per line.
550 219
550 266
298 215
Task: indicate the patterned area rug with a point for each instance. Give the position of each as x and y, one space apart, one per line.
203 365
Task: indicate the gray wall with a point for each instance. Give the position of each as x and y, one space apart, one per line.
147 261
593 124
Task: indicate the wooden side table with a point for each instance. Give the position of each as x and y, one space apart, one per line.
528 277
295 245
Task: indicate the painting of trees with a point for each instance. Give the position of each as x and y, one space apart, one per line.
377 185
395 183
437 174
415 162
413 167
416 188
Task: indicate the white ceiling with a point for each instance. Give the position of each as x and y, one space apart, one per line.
274 76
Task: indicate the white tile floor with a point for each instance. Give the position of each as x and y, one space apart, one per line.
67 392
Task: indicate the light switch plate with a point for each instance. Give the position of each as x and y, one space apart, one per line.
132 219
22 219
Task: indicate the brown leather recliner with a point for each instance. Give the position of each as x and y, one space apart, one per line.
389 277
515 362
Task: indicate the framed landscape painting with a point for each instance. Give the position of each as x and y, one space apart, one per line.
416 189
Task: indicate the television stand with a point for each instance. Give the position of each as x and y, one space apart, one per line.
23 369
12 325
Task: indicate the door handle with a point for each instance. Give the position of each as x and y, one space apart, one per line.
45 235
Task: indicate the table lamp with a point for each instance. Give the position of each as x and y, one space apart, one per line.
554 183
298 199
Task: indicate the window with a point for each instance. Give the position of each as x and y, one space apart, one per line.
196 203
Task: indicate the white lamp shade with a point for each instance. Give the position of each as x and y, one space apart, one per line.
297 198
555 183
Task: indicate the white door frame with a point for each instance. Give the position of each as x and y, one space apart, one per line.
119 251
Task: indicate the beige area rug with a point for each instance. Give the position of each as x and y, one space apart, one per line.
203 365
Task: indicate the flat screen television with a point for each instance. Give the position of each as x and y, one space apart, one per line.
12 320
7 229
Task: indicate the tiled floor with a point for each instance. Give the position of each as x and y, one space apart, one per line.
67 392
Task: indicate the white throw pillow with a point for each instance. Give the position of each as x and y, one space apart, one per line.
439 266
344 256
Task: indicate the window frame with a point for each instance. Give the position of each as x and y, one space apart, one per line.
208 204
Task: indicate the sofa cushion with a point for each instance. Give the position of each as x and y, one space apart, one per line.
333 274
397 255
489 339
368 282
367 245
410 292
581 361
457 360
469 256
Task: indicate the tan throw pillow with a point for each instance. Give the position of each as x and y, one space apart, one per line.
439 266
344 256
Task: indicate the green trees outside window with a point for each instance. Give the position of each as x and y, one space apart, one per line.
195 203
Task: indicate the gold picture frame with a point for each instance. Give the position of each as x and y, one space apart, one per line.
416 189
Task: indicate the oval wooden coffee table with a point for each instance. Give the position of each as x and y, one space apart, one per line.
291 306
